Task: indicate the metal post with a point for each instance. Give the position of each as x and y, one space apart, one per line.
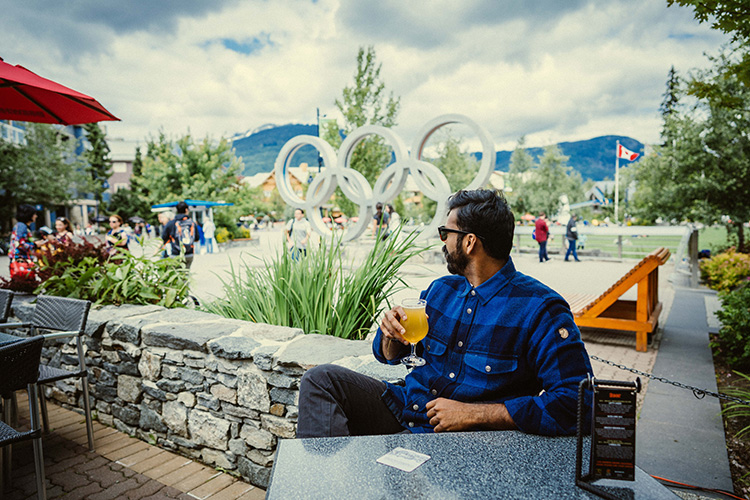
619 246
617 185
693 251
518 244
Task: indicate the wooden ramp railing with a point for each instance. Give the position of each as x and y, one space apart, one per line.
609 311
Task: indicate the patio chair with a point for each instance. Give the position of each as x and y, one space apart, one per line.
6 298
608 311
64 317
19 368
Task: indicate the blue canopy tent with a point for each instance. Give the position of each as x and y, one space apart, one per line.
205 208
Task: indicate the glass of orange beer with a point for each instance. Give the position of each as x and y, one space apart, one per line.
416 328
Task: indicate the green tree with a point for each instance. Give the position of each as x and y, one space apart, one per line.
364 103
98 164
670 101
177 170
704 173
521 162
42 171
547 182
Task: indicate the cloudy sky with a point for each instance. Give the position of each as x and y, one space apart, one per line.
549 69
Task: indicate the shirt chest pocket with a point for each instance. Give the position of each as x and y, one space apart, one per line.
488 371
434 348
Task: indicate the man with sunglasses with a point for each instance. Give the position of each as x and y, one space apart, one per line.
502 352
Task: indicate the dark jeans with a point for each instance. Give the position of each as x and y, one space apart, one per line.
572 249
543 251
336 401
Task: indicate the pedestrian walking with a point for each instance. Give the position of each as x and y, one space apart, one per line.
298 234
571 233
209 231
541 234
181 234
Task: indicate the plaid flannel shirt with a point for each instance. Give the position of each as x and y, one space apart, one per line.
511 340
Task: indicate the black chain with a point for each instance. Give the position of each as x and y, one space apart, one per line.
697 392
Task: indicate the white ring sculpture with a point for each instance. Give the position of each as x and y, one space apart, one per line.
338 172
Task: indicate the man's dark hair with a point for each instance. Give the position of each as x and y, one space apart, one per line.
486 213
379 206
300 209
25 213
182 208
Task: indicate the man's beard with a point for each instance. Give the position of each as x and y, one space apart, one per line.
457 261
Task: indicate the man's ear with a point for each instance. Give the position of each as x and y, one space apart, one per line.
470 242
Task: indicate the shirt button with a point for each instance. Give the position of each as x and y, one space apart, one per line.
473 293
411 424
416 407
487 368
460 344
452 375
468 310
434 392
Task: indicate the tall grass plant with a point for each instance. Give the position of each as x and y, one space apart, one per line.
321 292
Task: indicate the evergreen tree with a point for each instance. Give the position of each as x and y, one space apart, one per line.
521 162
98 164
364 103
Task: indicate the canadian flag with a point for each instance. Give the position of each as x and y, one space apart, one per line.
623 152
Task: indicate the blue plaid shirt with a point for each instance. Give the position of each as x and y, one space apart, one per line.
511 340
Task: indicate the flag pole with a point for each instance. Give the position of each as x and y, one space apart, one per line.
617 181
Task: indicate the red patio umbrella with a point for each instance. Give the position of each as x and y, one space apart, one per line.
26 96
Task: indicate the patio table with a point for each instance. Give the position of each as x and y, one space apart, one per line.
506 464
6 339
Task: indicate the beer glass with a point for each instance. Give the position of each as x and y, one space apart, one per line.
416 328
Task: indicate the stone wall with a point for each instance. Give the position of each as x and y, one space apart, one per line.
216 390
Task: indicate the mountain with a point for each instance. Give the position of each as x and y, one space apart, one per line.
593 158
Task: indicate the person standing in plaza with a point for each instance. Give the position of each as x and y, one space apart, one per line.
181 233
117 237
380 222
298 233
571 233
541 233
21 250
209 231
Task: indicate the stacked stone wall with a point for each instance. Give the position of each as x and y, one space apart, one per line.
217 390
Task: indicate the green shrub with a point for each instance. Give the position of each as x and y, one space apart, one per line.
123 279
317 293
736 409
734 335
726 270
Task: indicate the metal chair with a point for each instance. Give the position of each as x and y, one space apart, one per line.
19 368
65 318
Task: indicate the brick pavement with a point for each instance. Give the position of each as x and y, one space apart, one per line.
121 467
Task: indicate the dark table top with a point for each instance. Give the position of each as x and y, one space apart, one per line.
472 465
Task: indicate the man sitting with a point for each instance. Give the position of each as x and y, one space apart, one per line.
502 352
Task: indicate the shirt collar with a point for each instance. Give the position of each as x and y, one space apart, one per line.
492 286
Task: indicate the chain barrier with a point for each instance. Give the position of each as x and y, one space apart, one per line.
697 392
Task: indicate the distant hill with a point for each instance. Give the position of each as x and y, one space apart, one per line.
593 158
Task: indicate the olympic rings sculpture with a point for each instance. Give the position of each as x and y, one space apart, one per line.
430 180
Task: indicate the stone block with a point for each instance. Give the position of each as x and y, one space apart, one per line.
126 414
149 365
226 379
190 376
174 386
174 357
207 401
195 362
219 459
224 393
252 390
280 380
153 390
186 398
170 372
151 420
263 356
185 329
239 411
174 414
256 437
233 347
129 388
238 447
261 458
278 426
254 473
292 412
205 429
284 396
277 409
263 331
313 350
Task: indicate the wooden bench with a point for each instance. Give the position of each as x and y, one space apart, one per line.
608 311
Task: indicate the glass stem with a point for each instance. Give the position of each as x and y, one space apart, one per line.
413 351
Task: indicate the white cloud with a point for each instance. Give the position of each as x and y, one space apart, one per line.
550 70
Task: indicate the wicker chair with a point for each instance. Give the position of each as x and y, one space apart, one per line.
64 317
19 368
6 298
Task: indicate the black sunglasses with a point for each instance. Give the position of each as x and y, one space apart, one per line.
443 232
